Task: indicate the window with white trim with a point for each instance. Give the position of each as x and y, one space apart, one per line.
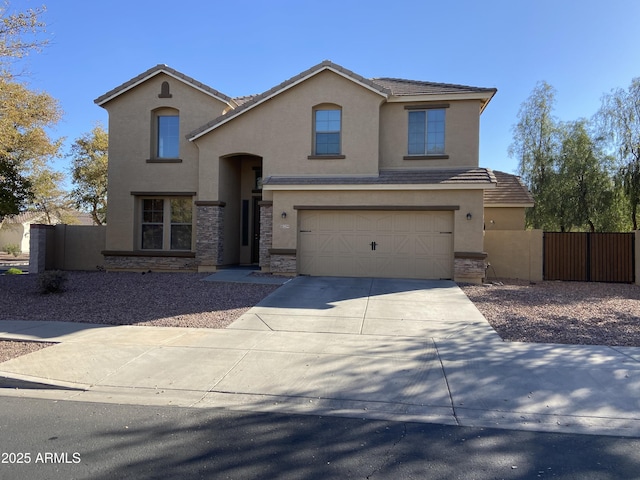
426 131
166 223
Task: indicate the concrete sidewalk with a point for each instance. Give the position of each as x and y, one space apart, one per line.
402 350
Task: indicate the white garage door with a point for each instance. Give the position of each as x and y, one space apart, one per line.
397 244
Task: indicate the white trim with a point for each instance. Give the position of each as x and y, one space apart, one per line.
282 90
150 76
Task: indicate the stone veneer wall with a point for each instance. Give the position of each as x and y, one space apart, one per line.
469 267
148 262
283 261
266 234
209 233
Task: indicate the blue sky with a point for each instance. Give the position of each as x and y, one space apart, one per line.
583 48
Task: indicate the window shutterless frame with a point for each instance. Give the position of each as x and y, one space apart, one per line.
426 132
166 223
327 131
168 136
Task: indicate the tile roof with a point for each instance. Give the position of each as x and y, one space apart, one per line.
401 87
457 176
25 217
160 68
509 191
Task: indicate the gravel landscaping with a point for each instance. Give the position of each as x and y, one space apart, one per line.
125 298
548 312
561 312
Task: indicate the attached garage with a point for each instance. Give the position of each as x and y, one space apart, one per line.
376 243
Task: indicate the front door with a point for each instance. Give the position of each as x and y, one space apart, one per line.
255 241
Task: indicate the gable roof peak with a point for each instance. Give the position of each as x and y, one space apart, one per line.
287 84
152 72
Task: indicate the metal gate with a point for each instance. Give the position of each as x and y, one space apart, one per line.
589 257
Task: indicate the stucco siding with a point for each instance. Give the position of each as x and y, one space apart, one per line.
281 132
504 218
462 124
131 132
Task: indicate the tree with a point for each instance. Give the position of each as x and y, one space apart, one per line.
15 190
619 119
19 35
89 173
48 197
25 147
584 182
535 145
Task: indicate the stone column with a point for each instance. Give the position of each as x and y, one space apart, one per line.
266 234
209 235
469 267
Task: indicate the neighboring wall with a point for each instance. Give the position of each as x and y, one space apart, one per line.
14 234
66 247
514 254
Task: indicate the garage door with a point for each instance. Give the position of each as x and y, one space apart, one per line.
398 244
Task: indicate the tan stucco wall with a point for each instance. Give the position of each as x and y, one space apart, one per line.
462 134
131 128
468 235
514 254
78 247
281 132
504 218
15 234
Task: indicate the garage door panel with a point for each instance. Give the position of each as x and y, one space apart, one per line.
408 244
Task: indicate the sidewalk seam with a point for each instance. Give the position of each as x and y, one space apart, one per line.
446 380
366 307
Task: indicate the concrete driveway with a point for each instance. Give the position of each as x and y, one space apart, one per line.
404 350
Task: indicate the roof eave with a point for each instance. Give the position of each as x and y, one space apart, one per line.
485 97
381 186
509 205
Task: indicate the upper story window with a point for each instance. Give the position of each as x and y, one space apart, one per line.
168 136
327 131
426 131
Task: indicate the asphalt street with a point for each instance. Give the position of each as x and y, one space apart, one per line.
48 439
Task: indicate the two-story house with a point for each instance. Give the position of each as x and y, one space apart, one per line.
327 173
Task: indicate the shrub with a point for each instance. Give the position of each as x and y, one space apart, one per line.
13 271
13 249
52 281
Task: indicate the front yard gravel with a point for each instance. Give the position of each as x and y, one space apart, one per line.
127 298
561 312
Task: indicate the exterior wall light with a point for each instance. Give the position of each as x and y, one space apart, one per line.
284 215
469 216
